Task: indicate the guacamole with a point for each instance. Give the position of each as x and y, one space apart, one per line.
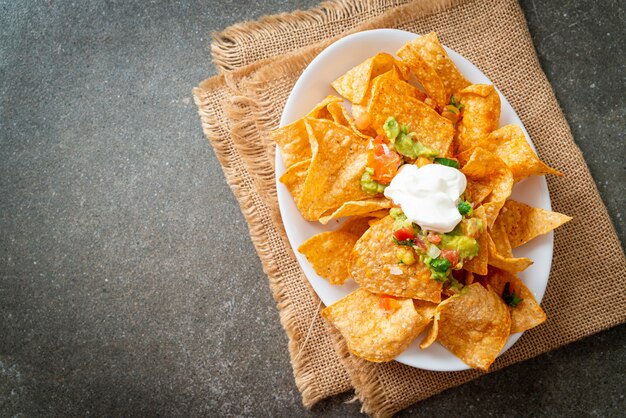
442 253
404 142
369 185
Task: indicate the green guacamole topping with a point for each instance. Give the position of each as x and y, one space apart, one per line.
440 267
467 247
400 219
391 128
404 141
369 185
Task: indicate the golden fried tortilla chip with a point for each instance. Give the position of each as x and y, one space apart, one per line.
501 239
341 116
374 265
328 254
486 169
478 264
334 177
508 263
379 214
433 68
337 112
481 114
474 325
476 191
293 139
354 84
357 225
523 223
294 178
358 110
394 86
320 111
390 83
526 314
354 208
431 128
376 329
509 143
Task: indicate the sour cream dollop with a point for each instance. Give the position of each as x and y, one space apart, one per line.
428 196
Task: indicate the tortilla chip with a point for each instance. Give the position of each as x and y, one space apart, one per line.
527 314
328 254
374 265
431 337
510 264
354 84
477 191
392 84
341 116
339 160
353 208
294 178
399 85
431 128
373 332
509 143
320 111
501 239
481 114
478 264
432 66
336 111
489 171
357 225
379 214
395 87
523 223
474 325
293 139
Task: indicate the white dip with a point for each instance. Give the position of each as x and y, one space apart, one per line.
428 196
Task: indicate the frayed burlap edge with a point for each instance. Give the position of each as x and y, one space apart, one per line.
227 46
213 125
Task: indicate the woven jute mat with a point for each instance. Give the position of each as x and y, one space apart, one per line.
259 62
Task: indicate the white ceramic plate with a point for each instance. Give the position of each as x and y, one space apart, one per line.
312 86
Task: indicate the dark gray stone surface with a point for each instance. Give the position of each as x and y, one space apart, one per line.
128 283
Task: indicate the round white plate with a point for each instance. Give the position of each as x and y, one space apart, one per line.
310 89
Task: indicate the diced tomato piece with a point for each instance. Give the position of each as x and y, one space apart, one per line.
403 234
384 161
380 139
434 238
388 302
451 255
420 244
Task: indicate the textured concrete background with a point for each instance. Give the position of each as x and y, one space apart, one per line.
128 283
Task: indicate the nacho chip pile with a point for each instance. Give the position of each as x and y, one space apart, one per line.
461 287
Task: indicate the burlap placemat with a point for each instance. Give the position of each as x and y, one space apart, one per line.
237 108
